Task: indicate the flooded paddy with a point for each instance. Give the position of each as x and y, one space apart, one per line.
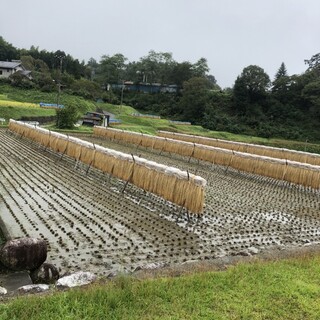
92 221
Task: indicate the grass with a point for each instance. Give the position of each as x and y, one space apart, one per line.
16 112
286 289
151 126
15 103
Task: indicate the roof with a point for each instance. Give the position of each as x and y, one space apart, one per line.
9 65
26 72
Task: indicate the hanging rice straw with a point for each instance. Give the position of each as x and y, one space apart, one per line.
170 183
277 168
280 153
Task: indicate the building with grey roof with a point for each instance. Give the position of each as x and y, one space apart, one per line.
7 68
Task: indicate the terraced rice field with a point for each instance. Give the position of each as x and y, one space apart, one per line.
92 221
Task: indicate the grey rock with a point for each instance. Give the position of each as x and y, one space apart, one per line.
111 274
151 266
23 254
190 262
253 250
76 280
34 288
244 253
3 291
47 273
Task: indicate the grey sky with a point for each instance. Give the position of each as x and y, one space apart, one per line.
230 34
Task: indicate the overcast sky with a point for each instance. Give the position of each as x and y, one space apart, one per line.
230 34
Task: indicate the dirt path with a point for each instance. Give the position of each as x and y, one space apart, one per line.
90 224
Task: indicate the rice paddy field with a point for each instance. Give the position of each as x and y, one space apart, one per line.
93 221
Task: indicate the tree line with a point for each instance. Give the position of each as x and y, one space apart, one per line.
286 106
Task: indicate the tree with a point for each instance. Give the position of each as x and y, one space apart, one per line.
250 90
67 117
92 67
282 72
200 68
7 51
86 88
281 84
314 63
180 73
213 80
254 82
195 99
240 96
156 66
112 69
311 92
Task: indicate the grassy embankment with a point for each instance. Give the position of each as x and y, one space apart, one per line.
10 109
16 103
151 126
287 289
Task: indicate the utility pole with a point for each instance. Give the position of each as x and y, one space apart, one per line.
121 94
59 80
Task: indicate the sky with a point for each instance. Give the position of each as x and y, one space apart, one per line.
230 34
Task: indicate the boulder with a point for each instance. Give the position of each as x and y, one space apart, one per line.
47 273
151 266
23 254
3 291
253 250
76 280
34 288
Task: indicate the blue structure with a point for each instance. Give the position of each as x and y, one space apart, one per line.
51 105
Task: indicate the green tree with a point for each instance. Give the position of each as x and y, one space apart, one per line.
195 99
240 96
155 67
180 73
92 67
282 72
314 63
7 51
67 117
111 69
281 84
311 92
250 88
256 81
86 88
200 68
21 81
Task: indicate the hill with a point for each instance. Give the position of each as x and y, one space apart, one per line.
16 103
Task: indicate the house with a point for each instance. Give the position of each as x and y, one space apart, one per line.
95 119
8 68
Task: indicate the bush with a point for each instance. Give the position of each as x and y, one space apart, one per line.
21 81
67 117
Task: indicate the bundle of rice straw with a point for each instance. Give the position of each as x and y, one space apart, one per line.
180 187
304 174
280 153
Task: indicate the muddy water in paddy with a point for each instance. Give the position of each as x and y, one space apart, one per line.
90 224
